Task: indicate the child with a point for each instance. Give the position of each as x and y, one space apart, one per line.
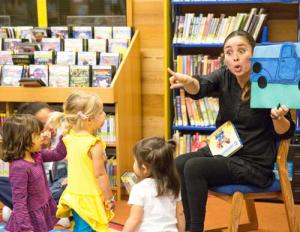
33 206
88 195
155 200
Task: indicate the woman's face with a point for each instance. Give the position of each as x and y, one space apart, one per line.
238 52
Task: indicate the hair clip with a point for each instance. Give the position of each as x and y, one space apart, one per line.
82 115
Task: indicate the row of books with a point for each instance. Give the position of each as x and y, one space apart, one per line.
61 58
108 130
197 64
202 112
189 142
190 28
63 32
70 45
59 75
111 169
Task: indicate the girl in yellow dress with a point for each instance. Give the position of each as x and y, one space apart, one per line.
88 196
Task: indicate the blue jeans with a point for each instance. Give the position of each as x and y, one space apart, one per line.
80 224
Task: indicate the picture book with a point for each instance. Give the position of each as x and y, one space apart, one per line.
6 57
86 58
225 140
59 76
61 32
51 44
28 47
11 74
129 179
97 45
102 75
110 59
79 76
39 72
24 32
122 33
118 46
102 32
82 32
3 33
11 44
43 57
66 58
22 59
73 45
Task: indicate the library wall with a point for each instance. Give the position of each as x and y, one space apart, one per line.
148 19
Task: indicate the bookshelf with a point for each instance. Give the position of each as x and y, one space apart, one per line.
281 25
124 94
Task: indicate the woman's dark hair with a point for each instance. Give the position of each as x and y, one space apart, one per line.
17 135
245 96
32 107
157 155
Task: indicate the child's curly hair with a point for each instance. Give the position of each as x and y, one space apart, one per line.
17 135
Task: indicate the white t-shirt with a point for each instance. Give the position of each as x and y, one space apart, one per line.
159 212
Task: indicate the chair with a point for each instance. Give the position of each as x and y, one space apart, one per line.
235 194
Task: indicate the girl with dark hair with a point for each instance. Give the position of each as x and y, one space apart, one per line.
155 200
33 205
258 129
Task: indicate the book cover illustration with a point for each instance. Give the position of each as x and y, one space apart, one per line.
97 45
24 32
39 72
3 33
122 33
129 179
22 59
51 44
110 59
73 45
224 140
102 32
102 75
275 76
43 57
11 44
66 58
11 74
61 32
6 57
59 76
80 32
118 46
79 76
86 58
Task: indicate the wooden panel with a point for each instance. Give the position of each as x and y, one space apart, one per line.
282 30
152 83
148 18
156 128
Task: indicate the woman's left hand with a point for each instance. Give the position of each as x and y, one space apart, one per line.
279 112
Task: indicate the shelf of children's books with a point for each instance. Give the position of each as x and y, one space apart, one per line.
50 94
194 128
175 3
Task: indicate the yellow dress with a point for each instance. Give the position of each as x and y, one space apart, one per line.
83 193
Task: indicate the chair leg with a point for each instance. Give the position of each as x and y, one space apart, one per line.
236 208
252 216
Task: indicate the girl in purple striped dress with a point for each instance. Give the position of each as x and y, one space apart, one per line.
33 205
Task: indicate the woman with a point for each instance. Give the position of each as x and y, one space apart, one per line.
258 130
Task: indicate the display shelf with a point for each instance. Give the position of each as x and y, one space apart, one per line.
124 95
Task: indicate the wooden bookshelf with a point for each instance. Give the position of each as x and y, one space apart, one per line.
124 94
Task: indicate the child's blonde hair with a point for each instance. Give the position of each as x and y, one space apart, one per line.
78 107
